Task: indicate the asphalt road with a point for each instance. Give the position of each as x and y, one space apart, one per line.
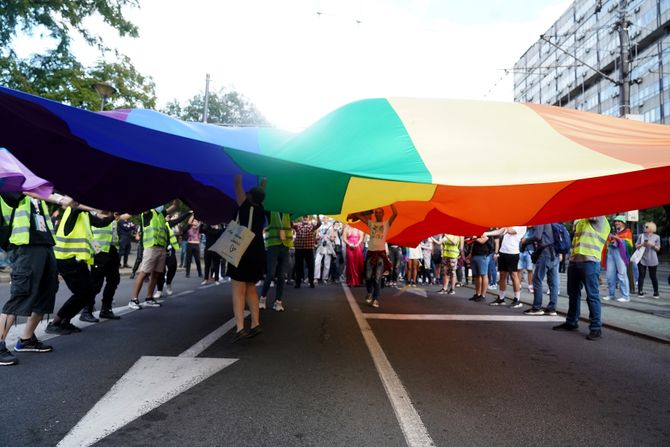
310 379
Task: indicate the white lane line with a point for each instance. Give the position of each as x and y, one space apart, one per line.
449 317
410 422
185 292
209 340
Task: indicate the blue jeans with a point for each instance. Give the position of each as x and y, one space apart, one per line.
547 265
276 261
492 271
584 274
616 272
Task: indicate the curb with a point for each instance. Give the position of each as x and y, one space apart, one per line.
606 325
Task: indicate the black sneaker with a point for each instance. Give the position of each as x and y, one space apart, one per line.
595 335
6 357
565 327
551 312
32 345
516 304
150 302
498 302
57 329
239 335
88 317
254 331
480 298
535 312
474 297
71 327
109 315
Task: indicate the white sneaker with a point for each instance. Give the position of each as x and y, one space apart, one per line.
262 302
157 294
623 300
531 289
278 306
217 282
168 290
606 298
493 287
368 299
135 305
204 283
375 304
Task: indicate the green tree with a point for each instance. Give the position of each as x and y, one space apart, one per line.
60 17
228 108
56 73
59 76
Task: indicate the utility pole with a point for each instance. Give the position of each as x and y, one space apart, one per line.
622 25
204 113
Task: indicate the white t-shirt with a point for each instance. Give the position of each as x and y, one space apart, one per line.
510 242
378 231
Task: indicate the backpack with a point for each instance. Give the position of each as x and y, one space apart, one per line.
562 240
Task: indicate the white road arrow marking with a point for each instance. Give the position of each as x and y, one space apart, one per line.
149 383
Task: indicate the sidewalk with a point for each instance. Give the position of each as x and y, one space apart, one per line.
644 316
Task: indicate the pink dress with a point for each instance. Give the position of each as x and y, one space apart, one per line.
354 260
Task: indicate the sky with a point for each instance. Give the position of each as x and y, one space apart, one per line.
297 60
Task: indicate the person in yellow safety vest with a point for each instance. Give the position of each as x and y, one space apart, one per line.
452 247
105 269
165 279
587 245
155 241
34 272
278 241
74 253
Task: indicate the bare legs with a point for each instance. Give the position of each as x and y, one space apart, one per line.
245 293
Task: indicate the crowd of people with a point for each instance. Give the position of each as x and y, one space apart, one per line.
87 247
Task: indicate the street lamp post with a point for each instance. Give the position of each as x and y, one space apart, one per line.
104 91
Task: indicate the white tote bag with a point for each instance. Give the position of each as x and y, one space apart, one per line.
637 256
232 244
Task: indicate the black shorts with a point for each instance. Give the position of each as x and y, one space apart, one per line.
508 263
34 281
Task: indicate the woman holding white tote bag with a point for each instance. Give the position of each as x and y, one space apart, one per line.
250 268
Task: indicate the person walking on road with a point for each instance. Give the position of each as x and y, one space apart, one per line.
74 253
305 240
105 269
250 268
508 263
34 272
546 263
583 271
376 260
155 238
279 240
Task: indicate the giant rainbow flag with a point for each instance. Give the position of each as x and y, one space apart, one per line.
448 165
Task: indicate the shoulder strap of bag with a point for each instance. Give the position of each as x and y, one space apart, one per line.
251 216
